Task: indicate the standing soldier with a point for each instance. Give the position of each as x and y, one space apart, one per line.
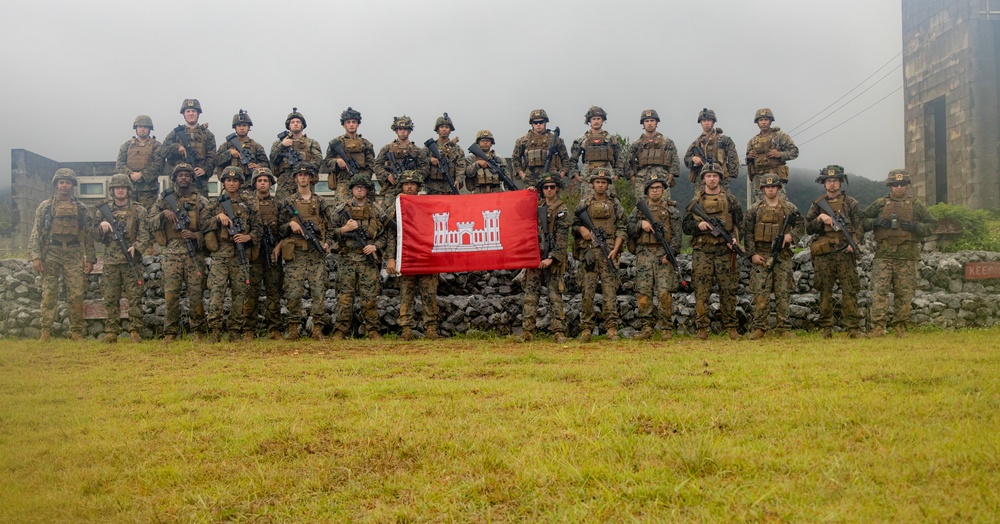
266 268
60 245
654 272
183 261
411 285
833 257
357 147
716 147
305 227
900 223
652 154
118 277
360 229
229 155
436 184
535 150
479 178
141 158
769 151
406 154
598 149
713 261
607 215
552 267
771 217
291 148
198 153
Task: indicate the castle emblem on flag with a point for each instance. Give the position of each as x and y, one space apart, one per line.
465 238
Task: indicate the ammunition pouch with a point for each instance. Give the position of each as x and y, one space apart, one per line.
211 241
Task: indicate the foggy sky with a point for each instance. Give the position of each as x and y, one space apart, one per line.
77 73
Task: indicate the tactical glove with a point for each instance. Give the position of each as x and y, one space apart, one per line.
884 223
909 226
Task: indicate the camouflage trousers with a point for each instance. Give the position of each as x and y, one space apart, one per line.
534 279
146 198
643 175
654 277
587 189
178 270
409 287
434 186
226 273
777 281
65 262
357 275
898 276
117 280
837 267
307 266
272 279
590 273
714 266
285 186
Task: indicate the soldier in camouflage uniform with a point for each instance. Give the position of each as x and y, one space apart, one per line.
762 225
712 260
834 261
531 151
358 147
228 155
408 156
478 177
201 140
769 151
303 261
411 285
652 154
266 267
900 223
60 246
607 214
717 147
141 158
227 270
552 267
293 148
655 276
598 148
117 278
360 260
435 183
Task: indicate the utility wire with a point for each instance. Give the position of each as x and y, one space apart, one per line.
852 117
849 101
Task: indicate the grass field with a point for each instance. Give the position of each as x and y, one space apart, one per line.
485 431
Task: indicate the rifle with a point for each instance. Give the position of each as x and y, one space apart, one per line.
444 164
309 230
267 243
718 229
706 159
190 155
290 153
779 242
183 223
553 150
118 235
600 238
395 167
236 227
494 167
359 234
659 232
548 243
338 149
245 157
840 223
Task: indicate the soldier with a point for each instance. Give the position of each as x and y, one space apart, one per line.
652 154
411 285
552 267
598 149
359 226
478 176
407 156
654 272
532 151
716 147
607 214
229 155
833 258
769 151
60 246
305 261
229 269
764 222
713 262
358 147
200 140
266 267
436 184
117 277
900 223
141 158
183 261
291 149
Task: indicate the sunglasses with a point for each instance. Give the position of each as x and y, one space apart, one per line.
549 187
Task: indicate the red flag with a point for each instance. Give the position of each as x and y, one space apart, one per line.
454 233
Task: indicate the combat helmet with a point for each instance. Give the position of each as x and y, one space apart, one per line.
259 172
595 111
770 179
707 114
444 120
831 171
308 168
350 114
653 179
295 114
549 178
363 180
402 122
64 173
183 166
190 103
536 115
898 177
763 112
120 180
601 173
647 114
485 133
408 176
232 172
241 118
713 167
143 121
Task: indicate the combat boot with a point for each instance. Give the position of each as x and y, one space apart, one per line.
407 334
235 336
168 339
788 334
666 335
135 337
734 334
248 336
373 335
899 331
292 333
75 337
757 334
45 336
584 336
878 332
827 332
275 335
702 334
338 335
109 338
560 337
613 334
197 336
213 338
432 333
645 334
856 334
317 333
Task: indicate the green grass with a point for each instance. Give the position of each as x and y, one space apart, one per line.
485 430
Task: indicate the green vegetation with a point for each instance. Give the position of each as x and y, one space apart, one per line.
485 430
980 232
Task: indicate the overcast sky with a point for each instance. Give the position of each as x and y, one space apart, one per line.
75 74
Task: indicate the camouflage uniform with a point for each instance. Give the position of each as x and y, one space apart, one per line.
302 262
224 157
761 143
654 276
412 285
408 157
60 239
599 149
481 180
202 142
609 216
648 157
261 270
435 184
716 146
531 150
308 149
364 154
558 221
144 157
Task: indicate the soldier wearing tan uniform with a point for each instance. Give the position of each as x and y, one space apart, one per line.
356 146
141 158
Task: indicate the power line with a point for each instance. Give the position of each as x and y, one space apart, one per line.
852 117
851 100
